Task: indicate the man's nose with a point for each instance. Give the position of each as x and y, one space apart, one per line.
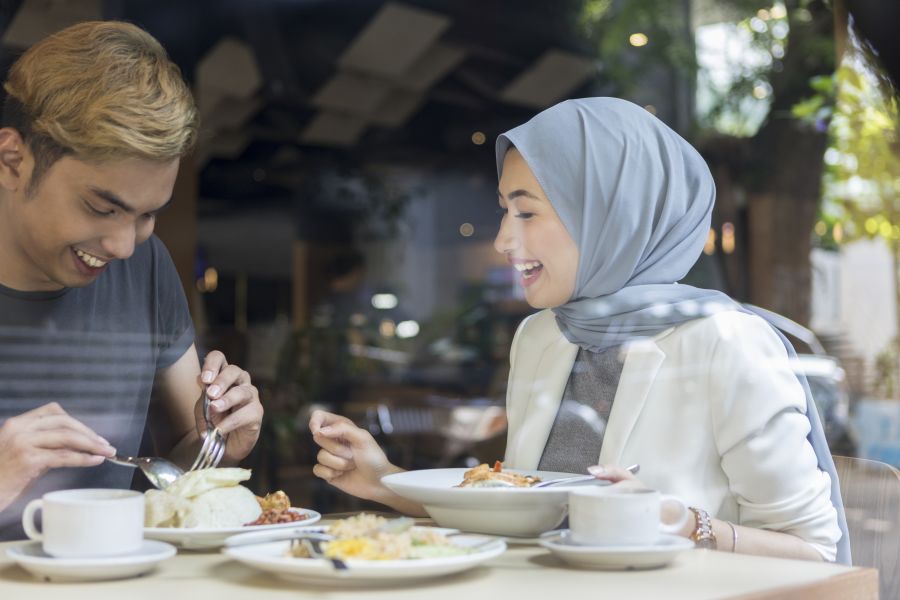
120 243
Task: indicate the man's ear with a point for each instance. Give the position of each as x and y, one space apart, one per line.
15 160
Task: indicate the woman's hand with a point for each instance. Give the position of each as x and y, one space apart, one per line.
350 458
672 510
352 461
615 475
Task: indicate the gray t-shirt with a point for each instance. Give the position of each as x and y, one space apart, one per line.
577 433
94 350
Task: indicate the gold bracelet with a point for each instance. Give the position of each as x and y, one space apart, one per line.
734 536
703 534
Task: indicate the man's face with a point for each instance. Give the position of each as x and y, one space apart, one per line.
80 217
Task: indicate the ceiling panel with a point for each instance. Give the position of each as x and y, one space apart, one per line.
395 38
549 79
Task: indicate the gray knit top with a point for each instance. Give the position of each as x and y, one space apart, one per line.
577 433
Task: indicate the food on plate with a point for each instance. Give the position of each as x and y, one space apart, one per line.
361 538
214 498
274 501
485 476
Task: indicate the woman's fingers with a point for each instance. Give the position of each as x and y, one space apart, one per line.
347 431
611 473
321 418
334 446
326 473
334 462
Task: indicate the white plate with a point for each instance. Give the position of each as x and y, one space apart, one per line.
32 558
655 555
271 557
208 538
515 512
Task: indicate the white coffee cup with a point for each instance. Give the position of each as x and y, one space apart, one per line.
619 516
87 523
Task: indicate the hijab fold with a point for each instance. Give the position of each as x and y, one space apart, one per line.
637 200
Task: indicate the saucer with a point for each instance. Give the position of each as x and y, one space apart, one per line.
33 559
651 556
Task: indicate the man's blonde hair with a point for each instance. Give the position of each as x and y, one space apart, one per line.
100 90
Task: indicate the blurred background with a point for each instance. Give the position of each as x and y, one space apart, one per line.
334 228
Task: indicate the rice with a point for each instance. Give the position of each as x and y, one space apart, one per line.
210 498
223 507
358 538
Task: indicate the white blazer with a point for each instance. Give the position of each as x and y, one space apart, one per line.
710 409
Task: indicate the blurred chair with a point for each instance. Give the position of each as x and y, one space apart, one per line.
871 493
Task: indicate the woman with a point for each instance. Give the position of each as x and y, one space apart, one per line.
606 208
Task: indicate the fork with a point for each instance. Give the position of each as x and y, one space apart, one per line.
213 448
313 545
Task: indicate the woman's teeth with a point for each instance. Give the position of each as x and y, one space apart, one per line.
528 269
91 261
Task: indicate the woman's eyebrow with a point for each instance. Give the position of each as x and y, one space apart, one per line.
519 194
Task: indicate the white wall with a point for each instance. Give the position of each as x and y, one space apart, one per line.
853 295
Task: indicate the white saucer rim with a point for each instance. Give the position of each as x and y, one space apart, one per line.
677 543
164 551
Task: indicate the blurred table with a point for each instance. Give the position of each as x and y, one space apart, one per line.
524 572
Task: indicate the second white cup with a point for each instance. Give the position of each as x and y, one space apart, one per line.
619 516
87 523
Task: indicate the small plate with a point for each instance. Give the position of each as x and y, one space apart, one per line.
271 557
663 552
212 538
33 559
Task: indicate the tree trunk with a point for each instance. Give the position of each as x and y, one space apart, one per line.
785 173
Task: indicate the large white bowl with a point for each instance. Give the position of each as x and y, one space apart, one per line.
516 512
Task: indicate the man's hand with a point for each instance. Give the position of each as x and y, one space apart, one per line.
41 439
234 405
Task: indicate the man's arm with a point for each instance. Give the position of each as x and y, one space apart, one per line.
234 405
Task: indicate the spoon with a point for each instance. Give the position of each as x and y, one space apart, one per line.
159 471
633 469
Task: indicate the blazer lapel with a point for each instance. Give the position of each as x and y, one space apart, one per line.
642 362
542 374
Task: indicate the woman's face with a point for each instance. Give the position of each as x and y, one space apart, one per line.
533 238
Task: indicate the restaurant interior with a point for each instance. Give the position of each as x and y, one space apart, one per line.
334 228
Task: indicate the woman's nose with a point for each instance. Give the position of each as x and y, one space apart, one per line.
506 240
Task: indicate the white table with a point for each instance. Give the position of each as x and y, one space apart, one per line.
524 572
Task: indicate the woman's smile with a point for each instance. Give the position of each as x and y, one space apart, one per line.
530 228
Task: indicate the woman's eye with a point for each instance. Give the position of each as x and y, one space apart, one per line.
524 215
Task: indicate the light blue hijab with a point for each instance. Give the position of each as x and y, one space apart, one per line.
637 199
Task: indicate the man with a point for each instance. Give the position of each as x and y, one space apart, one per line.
92 314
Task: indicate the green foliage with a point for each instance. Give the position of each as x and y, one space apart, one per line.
608 26
862 177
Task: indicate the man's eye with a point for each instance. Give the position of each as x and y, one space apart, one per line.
96 211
